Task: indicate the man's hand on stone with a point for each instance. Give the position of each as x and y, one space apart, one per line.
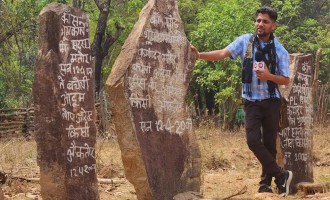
194 50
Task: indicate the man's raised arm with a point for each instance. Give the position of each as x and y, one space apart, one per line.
211 55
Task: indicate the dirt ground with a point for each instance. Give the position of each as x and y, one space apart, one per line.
228 167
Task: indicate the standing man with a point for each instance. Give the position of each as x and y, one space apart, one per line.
265 65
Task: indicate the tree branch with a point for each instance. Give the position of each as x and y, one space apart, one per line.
98 4
101 25
242 191
111 39
10 33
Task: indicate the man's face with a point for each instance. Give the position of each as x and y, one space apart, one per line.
264 25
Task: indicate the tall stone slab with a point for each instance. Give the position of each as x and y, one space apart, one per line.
63 92
296 141
147 88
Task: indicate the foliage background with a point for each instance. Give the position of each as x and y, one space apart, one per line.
303 26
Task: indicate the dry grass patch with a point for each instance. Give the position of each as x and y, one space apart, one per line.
108 158
227 166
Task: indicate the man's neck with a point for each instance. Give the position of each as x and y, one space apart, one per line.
265 38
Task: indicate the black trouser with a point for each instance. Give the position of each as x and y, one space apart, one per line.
261 123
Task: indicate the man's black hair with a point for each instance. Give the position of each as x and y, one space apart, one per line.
268 10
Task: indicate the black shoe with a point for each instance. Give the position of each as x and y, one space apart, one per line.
283 183
265 188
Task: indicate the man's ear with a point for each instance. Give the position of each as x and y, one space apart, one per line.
274 26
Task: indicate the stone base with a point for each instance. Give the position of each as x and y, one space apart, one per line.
187 196
307 188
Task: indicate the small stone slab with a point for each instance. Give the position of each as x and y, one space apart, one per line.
296 141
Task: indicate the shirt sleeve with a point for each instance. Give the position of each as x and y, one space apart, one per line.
283 63
238 46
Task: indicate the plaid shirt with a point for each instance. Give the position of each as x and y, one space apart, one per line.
260 91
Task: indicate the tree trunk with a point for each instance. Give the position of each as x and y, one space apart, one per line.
76 3
100 48
316 88
197 97
97 44
209 101
102 42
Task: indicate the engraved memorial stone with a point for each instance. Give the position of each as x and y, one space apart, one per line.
147 88
296 141
63 92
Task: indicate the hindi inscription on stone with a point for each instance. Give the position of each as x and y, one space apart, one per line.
64 98
296 141
148 87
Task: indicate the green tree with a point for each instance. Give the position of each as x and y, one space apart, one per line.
18 33
219 23
209 24
301 29
110 22
188 11
304 28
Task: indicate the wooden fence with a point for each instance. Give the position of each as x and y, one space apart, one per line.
18 121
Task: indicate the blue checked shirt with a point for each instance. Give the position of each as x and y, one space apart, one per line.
260 91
